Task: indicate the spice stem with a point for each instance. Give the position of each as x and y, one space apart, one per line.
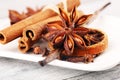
96 13
102 8
52 56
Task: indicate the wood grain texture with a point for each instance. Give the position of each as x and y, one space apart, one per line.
11 69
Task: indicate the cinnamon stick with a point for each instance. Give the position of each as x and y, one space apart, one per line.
14 31
24 45
34 31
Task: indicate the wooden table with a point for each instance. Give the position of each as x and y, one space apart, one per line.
11 69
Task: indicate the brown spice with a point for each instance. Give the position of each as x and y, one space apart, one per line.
76 59
72 41
37 50
66 34
15 16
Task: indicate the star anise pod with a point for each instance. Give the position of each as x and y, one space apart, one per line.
15 16
68 36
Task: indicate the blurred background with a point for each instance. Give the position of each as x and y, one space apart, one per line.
88 6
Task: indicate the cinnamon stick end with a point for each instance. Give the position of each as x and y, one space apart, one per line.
29 34
2 38
23 45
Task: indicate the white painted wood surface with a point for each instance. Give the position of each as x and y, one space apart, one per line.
11 69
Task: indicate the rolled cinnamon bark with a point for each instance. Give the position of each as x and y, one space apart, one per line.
25 44
14 31
33 32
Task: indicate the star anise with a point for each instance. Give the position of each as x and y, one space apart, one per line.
15 16
66 36
69 34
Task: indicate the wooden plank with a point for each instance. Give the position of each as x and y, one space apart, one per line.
11 69
25 70
111 74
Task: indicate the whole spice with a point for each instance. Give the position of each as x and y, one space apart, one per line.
14 31
37 50
93 37
68 34
16 16
66 37
52 55
34 31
